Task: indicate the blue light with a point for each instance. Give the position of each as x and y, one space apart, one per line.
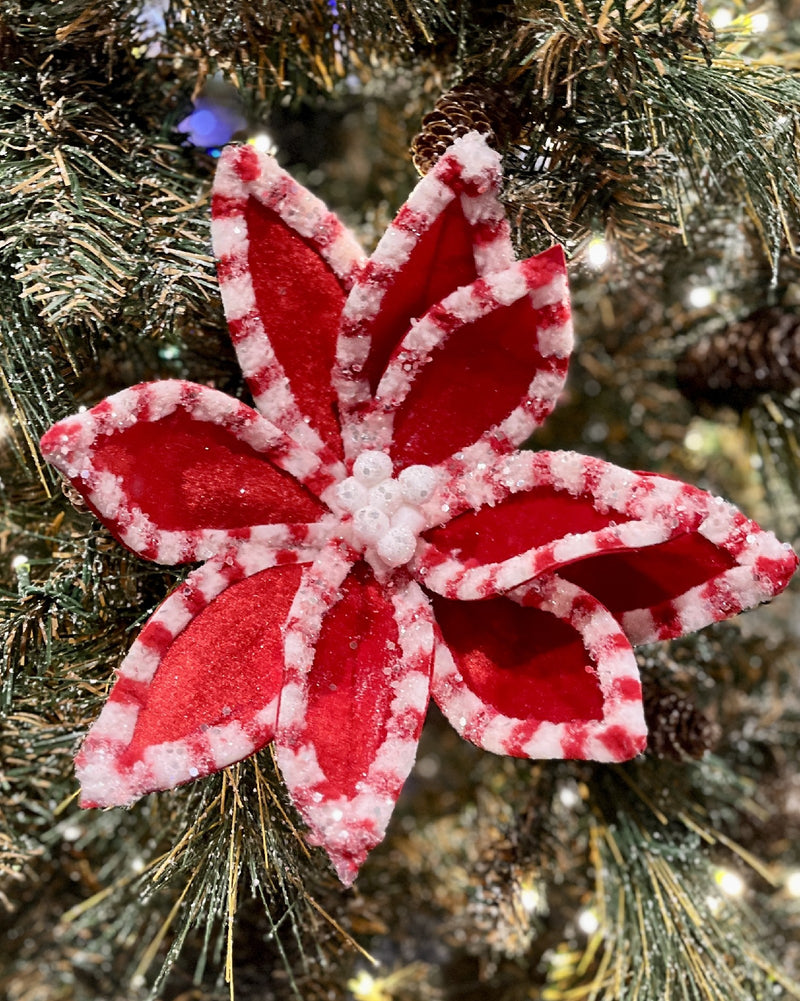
204 123
216 118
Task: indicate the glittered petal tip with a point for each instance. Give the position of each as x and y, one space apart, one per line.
486 365
285 265
548 674
664 557
199 688
451 231
353 705
178 471
728 565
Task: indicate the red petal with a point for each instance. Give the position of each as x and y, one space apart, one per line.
285 263
488 363
351 712
199 688
664 557
451 230
178 471
547 675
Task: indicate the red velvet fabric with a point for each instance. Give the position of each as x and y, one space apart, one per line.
475 379
442 260
623 580
300 302
524 662
643 578
350 695
226 665
188 474
519 523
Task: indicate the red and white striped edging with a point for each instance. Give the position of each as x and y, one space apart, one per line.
71 447
245 173
104 780
656 508
349 827
461 308
470 171
619 735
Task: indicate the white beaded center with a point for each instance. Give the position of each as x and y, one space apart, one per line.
386 511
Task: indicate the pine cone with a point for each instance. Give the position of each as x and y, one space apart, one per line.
677 728
759 354
470 107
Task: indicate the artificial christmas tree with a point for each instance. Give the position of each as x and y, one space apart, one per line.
657 144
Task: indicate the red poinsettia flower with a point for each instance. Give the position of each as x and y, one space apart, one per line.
372 534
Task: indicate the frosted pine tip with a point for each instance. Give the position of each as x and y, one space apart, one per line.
386 515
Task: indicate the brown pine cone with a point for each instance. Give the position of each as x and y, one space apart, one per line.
677 728
470 107
759 354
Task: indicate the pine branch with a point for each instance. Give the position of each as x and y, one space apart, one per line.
632 128
658 927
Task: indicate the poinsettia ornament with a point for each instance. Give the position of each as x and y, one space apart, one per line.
372 535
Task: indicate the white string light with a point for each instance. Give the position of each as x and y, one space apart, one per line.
731 883
721 17
568 796
701 296
793 883
597 253
531 897
264 143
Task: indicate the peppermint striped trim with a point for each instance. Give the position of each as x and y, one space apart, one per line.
105 781
70 446
622 732
764 568
465 485
657 509
244 173
461 308
348 828
471 171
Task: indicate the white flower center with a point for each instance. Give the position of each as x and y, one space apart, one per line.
386 512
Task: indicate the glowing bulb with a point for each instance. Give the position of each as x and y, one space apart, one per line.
530 896
731 883
569 796
702 296
19 561
721 17
793 883
759 23
695 440
588 921
263 142
365 987
597 253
